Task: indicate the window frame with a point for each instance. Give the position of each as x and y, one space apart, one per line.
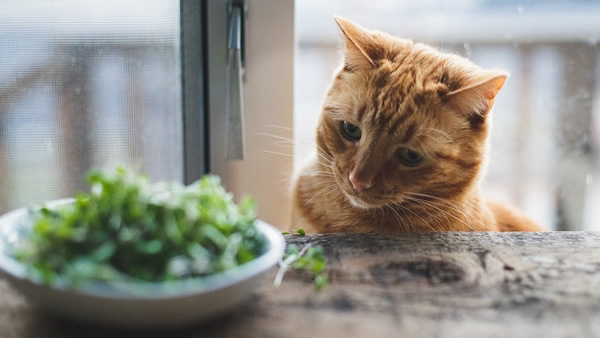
194 90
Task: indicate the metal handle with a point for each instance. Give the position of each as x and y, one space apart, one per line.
235 102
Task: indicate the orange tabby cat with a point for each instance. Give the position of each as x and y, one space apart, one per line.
401 143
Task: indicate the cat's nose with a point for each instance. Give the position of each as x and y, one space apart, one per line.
359 185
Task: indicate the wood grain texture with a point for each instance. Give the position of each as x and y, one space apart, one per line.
411 285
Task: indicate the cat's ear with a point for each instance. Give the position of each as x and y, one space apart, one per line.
478 94
357 44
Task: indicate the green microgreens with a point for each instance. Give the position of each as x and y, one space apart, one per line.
299 232
127 228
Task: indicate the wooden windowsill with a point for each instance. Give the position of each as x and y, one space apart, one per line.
441 284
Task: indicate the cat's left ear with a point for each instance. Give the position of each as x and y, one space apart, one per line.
357 44
477 96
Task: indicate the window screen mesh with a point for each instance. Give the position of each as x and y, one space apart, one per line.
87 84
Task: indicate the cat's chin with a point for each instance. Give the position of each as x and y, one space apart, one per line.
359 203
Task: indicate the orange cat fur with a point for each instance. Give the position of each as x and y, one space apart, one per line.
401 143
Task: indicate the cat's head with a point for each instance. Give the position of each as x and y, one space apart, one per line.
402 120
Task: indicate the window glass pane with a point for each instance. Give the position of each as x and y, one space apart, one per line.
545 142
87 84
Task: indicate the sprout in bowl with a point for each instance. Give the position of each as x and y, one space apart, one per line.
132 253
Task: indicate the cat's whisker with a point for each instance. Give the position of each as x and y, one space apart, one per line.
402 220
276 153
455 206
423 203
287 142
466 215
282 144
315 184
274 126
278 137
328 178
416 215
322 153
289 179
446 213
329 187
326 165
316 173
399 218
444 135
394 211
325 158
424 222
292 178
280 140
335 188
443 213
452 205
284 180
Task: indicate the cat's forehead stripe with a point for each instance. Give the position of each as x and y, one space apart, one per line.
398 119
381 80
401 98
409 132
360 112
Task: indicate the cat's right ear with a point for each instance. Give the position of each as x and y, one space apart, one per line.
356 40
476 98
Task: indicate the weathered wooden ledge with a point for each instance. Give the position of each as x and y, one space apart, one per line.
411 285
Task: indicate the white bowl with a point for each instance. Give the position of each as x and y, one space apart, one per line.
159 305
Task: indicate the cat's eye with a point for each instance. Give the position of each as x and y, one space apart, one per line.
350 131
409 157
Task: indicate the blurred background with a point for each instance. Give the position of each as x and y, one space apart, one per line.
546 122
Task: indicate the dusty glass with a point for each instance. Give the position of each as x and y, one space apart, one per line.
87 84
